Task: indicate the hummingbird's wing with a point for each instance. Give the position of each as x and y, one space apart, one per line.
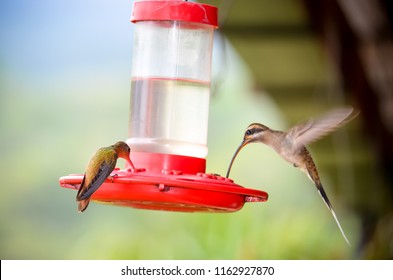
314 129
105 169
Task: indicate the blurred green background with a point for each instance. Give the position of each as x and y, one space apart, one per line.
65 80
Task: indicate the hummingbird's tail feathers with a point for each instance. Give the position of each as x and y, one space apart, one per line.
329 205
339 226
324 196
82 205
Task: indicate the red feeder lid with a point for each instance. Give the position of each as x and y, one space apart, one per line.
175 10
147 187
171 191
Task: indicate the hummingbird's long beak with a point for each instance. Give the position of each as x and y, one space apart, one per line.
242 144
130 163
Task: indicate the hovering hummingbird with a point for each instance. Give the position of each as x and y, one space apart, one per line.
290 145
99 169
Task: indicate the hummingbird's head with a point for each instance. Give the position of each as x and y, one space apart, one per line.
122 149
255 133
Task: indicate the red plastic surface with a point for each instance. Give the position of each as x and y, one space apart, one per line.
175 10
170 190
158 162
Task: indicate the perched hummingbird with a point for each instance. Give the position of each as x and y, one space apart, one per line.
98 170
290 145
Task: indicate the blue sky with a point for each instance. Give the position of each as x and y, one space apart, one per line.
44 41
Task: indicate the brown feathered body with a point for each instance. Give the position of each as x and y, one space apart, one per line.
99 169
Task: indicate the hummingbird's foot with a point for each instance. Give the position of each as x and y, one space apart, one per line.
111 177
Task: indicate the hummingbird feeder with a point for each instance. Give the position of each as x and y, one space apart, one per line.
168 121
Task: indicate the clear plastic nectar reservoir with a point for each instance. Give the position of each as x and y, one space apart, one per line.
170 83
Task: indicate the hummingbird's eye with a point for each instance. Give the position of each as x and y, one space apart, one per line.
248 132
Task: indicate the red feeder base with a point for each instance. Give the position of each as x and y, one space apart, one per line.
170 189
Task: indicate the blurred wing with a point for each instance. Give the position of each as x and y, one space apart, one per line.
315 129
104 171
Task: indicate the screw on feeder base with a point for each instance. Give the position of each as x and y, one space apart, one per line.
163 188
